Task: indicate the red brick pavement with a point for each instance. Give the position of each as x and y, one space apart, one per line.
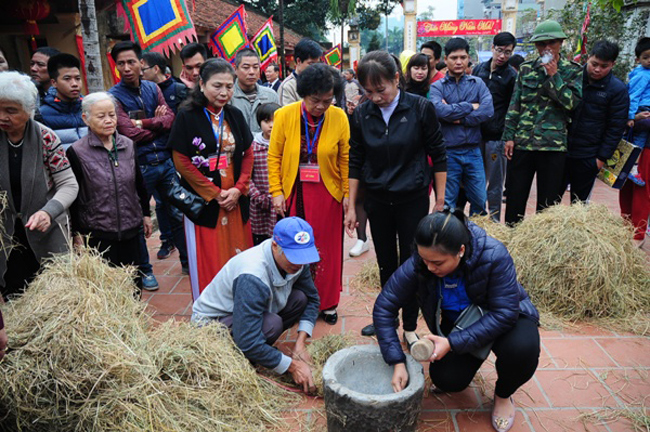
581 372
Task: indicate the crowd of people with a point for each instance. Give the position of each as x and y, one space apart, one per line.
282 168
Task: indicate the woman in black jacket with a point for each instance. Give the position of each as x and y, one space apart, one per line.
458 266
211 144
418 75
391 135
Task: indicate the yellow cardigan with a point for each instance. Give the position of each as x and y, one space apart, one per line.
333 151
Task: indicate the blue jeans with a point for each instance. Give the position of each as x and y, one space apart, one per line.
159 178
495 173
466 166
163 221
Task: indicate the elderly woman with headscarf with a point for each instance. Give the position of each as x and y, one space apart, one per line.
113 202
37 182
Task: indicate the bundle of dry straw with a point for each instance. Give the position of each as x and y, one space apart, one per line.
5 240
579 262
86 357
319 350
322 349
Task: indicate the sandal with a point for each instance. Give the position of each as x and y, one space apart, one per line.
503 424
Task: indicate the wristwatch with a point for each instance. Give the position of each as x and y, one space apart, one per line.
138 123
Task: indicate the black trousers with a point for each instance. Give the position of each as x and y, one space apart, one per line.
393 222
517 353
549 167
22 264
581 175
120 253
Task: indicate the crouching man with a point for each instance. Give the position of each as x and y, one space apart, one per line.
263 291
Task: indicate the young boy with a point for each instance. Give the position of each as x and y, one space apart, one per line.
262 216
639 90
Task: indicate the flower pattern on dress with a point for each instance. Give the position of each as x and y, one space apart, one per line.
200 161
198 142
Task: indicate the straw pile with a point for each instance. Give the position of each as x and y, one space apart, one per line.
367 280
579 262
86 357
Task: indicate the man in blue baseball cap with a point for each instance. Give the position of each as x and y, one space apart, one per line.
263 291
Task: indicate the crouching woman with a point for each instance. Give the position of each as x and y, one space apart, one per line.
458 266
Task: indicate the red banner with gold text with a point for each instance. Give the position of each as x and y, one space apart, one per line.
475 27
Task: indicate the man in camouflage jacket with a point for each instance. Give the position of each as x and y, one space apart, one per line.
547 90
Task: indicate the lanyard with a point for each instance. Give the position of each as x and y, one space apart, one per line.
217 136
311 142
112 154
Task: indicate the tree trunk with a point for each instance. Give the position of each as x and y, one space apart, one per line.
91 46
283 63
342 28
386 31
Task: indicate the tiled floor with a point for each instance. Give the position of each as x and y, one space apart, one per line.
585 371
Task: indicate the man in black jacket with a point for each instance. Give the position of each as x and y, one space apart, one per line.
500 79
598 122
154 67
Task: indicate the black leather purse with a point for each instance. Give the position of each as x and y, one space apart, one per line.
467 317
189 203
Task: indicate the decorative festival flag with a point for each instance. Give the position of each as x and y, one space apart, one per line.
114 72
157 25
230 36
264 43
581 49
333 57
82 57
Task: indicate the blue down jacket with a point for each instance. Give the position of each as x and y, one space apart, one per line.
490 282
64 118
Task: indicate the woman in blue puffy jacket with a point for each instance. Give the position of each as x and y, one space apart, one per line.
460 265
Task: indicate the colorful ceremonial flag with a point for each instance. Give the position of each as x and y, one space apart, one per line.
230 37
82 58
581 49
264 43
333 57
157 25
114 72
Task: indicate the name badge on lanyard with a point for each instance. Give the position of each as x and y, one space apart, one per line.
309 172
217 160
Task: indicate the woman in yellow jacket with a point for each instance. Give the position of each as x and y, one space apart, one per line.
308 173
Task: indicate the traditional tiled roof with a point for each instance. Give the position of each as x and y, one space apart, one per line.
209 14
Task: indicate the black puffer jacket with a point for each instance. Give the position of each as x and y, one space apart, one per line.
501 84
490 282
393 158
599 120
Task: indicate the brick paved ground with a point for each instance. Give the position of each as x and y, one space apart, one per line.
581 371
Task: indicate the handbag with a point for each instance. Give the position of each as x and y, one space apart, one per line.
467 317
618 167
189 203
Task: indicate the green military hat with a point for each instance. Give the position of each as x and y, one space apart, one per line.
548 30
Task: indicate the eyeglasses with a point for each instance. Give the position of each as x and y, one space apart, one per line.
146 68
500 51
541 44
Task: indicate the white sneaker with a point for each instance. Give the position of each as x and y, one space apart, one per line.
359 248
